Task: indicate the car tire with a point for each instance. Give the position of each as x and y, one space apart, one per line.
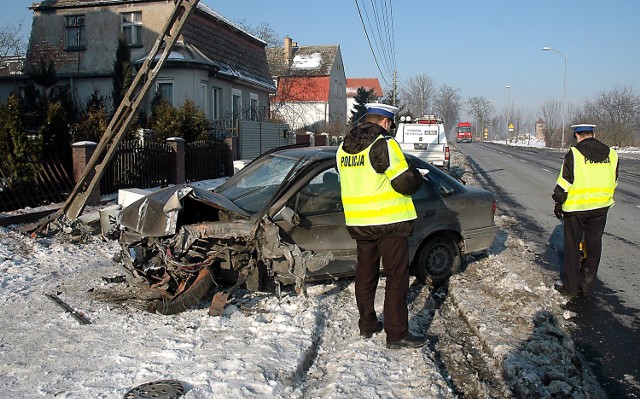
438 259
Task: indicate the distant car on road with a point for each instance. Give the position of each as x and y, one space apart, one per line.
279 221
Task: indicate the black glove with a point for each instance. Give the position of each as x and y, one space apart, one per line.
558 210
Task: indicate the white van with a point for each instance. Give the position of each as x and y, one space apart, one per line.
424 137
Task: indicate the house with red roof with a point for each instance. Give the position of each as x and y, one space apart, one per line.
310 86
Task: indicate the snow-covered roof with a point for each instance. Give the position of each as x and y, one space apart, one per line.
305 60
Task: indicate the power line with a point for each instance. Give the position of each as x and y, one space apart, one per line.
385 54
369 38
387 19
384 44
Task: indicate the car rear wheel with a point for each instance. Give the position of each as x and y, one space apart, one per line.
438 260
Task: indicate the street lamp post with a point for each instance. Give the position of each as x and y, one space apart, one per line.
508 113
484 111
564 97
491 124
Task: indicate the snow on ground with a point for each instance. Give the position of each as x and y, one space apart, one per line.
260 350
296 347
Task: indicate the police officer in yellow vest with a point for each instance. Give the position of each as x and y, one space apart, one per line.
376 186
583 196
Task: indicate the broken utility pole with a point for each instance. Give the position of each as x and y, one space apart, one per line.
77 200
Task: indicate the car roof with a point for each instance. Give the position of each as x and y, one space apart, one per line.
321 153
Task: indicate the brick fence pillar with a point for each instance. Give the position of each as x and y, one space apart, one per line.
81 153
177 146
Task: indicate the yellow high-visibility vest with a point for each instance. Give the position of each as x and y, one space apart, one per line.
593 183
367 196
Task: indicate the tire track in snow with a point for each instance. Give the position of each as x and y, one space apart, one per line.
346 365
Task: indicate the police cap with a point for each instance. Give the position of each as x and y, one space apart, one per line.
386 110
583 128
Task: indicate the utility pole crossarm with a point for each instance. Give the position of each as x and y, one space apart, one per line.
76 202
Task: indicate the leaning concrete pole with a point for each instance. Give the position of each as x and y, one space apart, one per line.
77 200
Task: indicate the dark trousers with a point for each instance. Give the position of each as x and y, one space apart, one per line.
394 252
581 276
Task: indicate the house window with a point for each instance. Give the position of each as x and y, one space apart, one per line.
165 89
236 103
215 103
254 103
203 97
74 33
132 28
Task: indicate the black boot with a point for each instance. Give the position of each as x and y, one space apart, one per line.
410 341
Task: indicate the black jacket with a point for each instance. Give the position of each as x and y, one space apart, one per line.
408 182
592 149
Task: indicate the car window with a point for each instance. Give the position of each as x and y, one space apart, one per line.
320 196
255 185
441 185
424 192
438 180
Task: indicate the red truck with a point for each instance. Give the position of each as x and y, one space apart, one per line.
464 133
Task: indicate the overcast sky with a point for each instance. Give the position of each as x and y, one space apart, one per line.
477 46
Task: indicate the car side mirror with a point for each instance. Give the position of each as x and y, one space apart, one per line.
288 215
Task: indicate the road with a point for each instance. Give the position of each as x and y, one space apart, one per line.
608 322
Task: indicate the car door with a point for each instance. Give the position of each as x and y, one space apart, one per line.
320 226
433 214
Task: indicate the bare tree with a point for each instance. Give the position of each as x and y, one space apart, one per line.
11 43
448 105
518 119
529 128
482 109
616 113
551 113
291 103
418 95
493 122
264 32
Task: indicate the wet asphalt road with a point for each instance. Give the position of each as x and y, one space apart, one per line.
608 322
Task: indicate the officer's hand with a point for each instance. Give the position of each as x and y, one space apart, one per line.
558 210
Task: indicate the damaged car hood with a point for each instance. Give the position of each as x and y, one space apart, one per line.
156 215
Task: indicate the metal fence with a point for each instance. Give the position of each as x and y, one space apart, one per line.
136 164
206 159
145 165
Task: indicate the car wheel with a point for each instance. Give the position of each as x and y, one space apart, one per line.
438 260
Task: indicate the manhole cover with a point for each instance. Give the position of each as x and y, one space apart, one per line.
163 389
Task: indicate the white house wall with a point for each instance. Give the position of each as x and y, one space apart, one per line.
300 115
187 84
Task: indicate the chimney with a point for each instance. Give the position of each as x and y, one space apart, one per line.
288 49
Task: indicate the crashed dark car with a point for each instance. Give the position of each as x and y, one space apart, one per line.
279 222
